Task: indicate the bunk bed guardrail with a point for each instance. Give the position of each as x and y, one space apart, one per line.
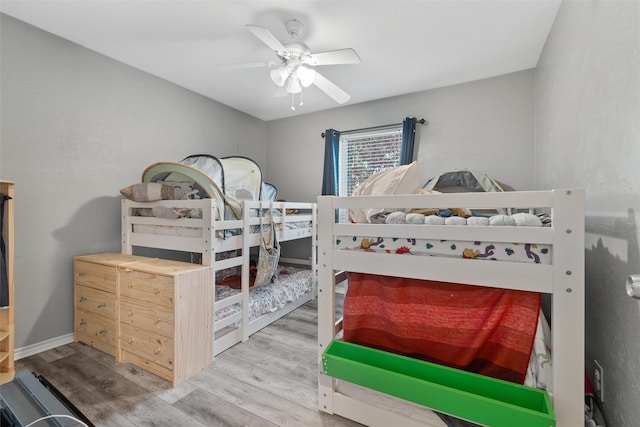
461 394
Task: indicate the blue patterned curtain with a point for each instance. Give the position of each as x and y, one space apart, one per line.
330 175
408 140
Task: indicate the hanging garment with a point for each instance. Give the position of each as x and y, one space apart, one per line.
4 279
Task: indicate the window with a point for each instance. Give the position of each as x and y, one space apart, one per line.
364 153
352 156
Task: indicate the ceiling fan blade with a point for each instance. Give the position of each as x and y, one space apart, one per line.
333 57
267 38
267 64
331 89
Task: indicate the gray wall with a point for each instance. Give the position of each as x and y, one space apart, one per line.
485 125
76 127
587 108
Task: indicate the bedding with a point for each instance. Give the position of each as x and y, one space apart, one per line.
515 252
288 285
174 230
495 251
399 180
489 331
152 191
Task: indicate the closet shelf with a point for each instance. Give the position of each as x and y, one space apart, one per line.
466 395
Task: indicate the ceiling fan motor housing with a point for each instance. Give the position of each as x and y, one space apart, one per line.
296 50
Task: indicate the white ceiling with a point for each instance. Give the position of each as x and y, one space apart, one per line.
404 46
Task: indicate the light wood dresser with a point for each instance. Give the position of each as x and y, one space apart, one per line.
162 312
96 287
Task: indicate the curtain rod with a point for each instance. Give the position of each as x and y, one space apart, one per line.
421 121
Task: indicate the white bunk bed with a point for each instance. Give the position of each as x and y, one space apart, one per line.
382 389
236 314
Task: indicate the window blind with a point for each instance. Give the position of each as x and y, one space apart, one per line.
365 153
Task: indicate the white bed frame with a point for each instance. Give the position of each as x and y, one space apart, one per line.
563 280
212 240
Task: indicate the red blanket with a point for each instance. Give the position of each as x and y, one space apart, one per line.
479 329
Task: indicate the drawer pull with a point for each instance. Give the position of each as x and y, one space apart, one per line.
82 299
130 284
156 320
156 291
102 305
102 332
130 340
130 312
156 351
83 322
82 274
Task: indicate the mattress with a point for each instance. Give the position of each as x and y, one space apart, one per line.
516 252
288 285
171 230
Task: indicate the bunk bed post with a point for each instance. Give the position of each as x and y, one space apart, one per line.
567 307
125 228
246 253
326 298
208 253
314 249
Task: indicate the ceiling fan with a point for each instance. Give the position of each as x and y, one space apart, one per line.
293 69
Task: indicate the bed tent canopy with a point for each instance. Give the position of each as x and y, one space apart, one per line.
228 180
463 181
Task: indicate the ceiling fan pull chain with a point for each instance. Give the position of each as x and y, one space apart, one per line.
292 106
301 103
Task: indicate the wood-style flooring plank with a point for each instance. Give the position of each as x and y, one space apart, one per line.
214 411
269 380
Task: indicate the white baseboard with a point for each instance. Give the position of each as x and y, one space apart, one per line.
32 349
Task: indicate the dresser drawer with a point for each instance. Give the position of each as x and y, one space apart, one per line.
96 331
148 287
95 276
96 301
147 345
155 318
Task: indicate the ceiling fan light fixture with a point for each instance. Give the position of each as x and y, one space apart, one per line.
279 75
293 85
306 75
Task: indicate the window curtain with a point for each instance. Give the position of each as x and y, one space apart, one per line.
330 175
408 140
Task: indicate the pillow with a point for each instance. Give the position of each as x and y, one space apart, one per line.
433 220
152 191
501 220
399 180
526 220
478 220
396 218
455 220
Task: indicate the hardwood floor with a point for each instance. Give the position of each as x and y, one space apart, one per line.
269 380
